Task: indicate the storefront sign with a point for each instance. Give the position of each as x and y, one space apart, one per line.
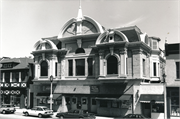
94 89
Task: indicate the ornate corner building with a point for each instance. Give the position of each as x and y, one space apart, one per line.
16 76
110 72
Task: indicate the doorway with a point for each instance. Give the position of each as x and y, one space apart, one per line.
146 109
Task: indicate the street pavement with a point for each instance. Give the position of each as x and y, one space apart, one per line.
20 112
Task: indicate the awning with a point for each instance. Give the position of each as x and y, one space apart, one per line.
149 98
123 97
55 96
73 89
47 95
42 95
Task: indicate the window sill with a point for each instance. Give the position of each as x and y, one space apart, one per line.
177 79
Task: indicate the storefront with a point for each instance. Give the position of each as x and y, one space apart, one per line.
103 99
152 106
14 93
173 102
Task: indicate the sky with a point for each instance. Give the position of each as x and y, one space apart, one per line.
24 22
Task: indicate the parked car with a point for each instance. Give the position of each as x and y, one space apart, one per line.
78 113
39 111
7 108
140 116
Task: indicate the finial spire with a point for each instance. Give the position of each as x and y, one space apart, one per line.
80 16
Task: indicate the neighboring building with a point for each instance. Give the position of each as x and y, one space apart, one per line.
110 72
173 79
16 74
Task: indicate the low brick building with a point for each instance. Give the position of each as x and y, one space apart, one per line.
16 75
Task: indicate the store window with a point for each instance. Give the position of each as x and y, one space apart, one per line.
84 101
80 67
115 104
158 108
103 103
175 108
177 70
112 65
74 100
93 102
44 68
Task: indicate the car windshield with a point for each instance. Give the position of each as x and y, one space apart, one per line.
7 106
45 108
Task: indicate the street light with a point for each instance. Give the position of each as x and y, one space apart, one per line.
51 96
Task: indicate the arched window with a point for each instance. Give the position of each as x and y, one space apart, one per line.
112 65
44 68
80 50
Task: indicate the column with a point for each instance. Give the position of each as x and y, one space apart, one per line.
3 74
19 76
10 76
101 62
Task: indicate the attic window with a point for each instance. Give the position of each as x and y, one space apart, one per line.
154 44
47 46
111 38
80 50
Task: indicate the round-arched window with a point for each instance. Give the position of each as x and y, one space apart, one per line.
44 68
80 50
112 65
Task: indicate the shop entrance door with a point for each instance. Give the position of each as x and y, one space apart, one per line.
146 109
93 105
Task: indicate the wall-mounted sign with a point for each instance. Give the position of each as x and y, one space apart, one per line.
94 89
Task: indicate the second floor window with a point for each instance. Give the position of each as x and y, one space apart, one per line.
112 65
80 67
144 67
177 70
154 69
44 68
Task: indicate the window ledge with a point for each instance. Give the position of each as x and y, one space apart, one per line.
177 79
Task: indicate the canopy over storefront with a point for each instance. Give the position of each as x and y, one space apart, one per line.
152 98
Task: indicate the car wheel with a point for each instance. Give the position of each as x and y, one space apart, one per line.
26 114
61 117
40 115
4 112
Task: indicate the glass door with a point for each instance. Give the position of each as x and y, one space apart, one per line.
175 108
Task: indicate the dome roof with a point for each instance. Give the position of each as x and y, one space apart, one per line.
44 45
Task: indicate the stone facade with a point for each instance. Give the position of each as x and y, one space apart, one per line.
100 70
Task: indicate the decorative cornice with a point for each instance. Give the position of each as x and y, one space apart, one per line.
44 51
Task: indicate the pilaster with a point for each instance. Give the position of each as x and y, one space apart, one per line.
123 55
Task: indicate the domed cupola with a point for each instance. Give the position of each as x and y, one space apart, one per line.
81 25
44 45
111 36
